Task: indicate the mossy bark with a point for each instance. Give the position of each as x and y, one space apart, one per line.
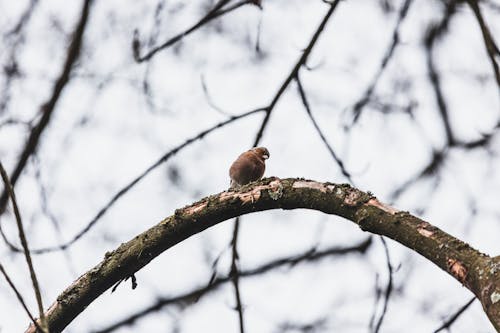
475 270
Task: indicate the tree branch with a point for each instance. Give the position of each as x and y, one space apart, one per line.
24 243
489 42
310 256
47 109
164 158
217 11
19 297
476 271
298 65
447 324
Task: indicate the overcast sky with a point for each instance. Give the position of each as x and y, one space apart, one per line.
116 117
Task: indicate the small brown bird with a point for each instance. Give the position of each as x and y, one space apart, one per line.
248 167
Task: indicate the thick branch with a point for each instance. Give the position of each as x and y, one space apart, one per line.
476 271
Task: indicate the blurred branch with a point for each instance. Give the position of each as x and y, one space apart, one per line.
217 11
269 109
310 256
295 70
435 32
447 324
307 107
388 289
16 38
24 242
317 325
438 159
378 293
14 122
363 101
473 269
48 108
489 42
19 297
234 273
23 19
165 157
439 155
492 5
209 99
431 169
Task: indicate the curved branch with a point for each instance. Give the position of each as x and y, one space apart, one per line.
476 271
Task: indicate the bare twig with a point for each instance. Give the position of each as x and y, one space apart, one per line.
47 109
447 324
24 242
317 325
310 256
217 11
235 274
388 289
301 62
293 74
431 169
433 34
165 157
378 293
19 297
489 42
16 29
357 109
16 37
307 107
209 98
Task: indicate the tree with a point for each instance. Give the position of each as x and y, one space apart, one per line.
390 113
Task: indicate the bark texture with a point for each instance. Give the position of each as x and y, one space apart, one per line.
473 269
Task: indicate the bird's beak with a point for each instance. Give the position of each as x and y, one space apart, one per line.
265 156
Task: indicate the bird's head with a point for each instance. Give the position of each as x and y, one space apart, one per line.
262 152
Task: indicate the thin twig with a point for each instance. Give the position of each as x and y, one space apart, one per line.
24 242
489 42
434 33
375 305
235 274
307 107
293 74
301 62
165 157
209 99
16 37
447 324
214 13
47 109
310 256
388 289
361 103
19 297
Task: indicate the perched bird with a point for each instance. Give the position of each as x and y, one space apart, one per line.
248 167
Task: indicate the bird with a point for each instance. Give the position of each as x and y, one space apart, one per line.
248 167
